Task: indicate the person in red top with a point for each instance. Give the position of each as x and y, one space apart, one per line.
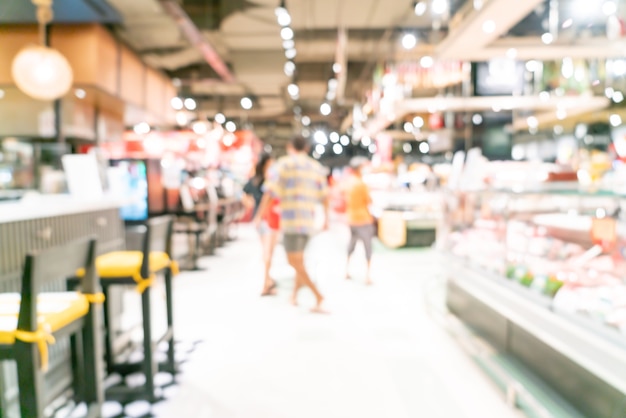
357 197
269 226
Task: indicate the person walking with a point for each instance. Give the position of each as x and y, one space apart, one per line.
299 183
360 220
268 226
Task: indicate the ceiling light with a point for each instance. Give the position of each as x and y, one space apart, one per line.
477 119
511 53
608 92
616 120
561 114
419 8
489 26
344 140
332 84
316 155
334 137
517 152
325 109
42 73
190 104
289 68
558 129
283 19
568 23
289 44
424 147
320 137
544 96
409 41
331 95
426 61
609 8
228 139
336 68
567 68
618 97
293 90
372 148
366 141
478 4
532 66
547 38
141 128
286 34
231 126
80 93
246 103
406 147
176 103
439 7
619 68
337 149
290 53
320 149
181 118
418 122
220 118
408 127
199 128
306 121
281 9
496 108
532 122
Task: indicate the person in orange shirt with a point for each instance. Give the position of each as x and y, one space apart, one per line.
358 215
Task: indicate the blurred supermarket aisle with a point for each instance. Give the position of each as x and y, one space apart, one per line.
378 354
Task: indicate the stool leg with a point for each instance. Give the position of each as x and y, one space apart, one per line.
92 354
196 253
148 354
108 337
30 380
78 365
171 365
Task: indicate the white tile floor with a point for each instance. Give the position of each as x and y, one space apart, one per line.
378 354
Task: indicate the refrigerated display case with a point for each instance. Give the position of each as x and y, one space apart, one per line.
541 274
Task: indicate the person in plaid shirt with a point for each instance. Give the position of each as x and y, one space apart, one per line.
299 183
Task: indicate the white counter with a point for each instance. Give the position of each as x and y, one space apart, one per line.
44 206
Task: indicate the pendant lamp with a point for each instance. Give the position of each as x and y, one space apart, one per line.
39 71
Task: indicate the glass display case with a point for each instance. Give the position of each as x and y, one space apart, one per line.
541 274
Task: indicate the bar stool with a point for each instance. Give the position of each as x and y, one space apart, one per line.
33 319
140 268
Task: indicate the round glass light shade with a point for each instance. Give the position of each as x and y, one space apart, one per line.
42 73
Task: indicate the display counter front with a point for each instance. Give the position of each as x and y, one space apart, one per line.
541 275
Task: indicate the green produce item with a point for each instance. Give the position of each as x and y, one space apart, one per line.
552 286
510 271
527 279
519 273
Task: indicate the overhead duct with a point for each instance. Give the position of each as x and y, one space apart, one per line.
195 37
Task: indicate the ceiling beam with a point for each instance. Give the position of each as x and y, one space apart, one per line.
467 36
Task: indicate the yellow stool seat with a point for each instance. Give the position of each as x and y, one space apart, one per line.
55 310
118 264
